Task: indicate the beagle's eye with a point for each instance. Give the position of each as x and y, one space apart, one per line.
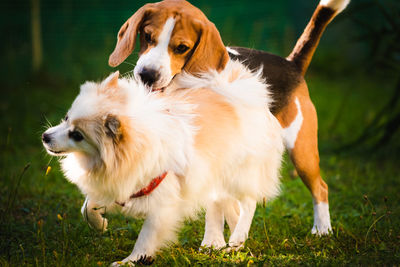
75 135
147 38
66 118
180 49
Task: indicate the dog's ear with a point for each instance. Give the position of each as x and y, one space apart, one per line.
112 80
112 127
127 36
209 51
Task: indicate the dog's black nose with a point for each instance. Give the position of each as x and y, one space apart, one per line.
149 76
46 138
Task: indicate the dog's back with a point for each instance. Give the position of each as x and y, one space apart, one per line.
237 137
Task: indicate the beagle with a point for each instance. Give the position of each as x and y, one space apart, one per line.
177 37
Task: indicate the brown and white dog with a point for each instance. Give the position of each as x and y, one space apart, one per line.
176 37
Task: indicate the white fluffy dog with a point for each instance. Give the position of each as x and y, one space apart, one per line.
163 156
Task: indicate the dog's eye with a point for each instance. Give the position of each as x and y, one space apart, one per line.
180 49
147 38
66 118
76 136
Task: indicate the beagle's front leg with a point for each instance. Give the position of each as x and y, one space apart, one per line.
158 229
93 215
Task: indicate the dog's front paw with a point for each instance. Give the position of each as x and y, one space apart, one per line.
236 242
214 243
121 263
93 216
234 247
145 260
130 261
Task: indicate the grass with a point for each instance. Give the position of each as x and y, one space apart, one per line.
41 225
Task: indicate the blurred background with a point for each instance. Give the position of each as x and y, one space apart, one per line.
48 48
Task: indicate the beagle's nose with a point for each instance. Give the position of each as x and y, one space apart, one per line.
46 138
149 76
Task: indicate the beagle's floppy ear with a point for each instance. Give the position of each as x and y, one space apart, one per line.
127 36
209 51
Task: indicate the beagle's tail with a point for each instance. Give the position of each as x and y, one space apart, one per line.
304 49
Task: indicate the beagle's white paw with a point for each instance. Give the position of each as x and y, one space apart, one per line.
322 220
321 229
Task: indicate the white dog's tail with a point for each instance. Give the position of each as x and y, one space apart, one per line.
304 49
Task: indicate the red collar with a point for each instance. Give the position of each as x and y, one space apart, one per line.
158 89
148 189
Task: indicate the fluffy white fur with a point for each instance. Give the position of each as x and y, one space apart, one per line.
337 5
217 139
